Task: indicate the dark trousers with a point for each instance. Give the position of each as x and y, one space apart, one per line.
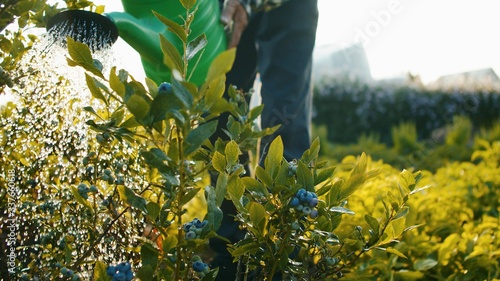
277 44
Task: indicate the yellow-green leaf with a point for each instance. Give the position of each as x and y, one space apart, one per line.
100 272
221 65
171 56
79 52
115 83
396 252
232 152
172 26
137 106
94 89
219 162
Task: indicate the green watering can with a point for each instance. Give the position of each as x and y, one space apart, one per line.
140 28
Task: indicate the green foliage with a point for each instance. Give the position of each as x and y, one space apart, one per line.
121 174
311 248
458 216
455 143
115 179
17 18
365 109
404 138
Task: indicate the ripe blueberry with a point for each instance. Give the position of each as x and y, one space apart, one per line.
165 87
295 202
199 266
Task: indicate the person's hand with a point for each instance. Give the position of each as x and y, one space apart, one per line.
235 18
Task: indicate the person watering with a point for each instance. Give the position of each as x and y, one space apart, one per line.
274 38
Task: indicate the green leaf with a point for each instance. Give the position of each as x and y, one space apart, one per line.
171 57
447 248
232 152
169 243
196 45
424 264
304 176
156 158
324 175
161 104
341 210
235 189
221 65
373 223
245 249
100 272
94 89
172 26
219 162
274 157
211 275
145 273
311 154
130 123
79 52
189 195
263 176
419 189
197 136
324 189
255 112
254 186
137 105
398 227
406 181
396 252
115 83
182 92
127 195
257 214
153 210
214 213
213 91
149 255
402 212
221 188
82 57
188 4
352 184
152 87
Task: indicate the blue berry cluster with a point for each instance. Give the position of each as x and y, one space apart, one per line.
193 229
70 273
83 190
120 272
200 267
305 202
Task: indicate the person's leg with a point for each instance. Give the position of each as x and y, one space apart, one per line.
285 41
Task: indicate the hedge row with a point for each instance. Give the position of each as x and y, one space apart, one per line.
349 110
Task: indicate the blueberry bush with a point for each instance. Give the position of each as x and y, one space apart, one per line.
112 182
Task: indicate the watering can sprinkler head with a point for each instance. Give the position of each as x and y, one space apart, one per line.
139 27
95 30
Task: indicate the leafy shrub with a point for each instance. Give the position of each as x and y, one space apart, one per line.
459 216
115 187
351 109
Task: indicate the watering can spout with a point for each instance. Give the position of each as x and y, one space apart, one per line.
138 35
139 27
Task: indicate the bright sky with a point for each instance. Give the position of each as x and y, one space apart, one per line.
426 37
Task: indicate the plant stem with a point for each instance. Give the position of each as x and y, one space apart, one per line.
180 193
283 244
